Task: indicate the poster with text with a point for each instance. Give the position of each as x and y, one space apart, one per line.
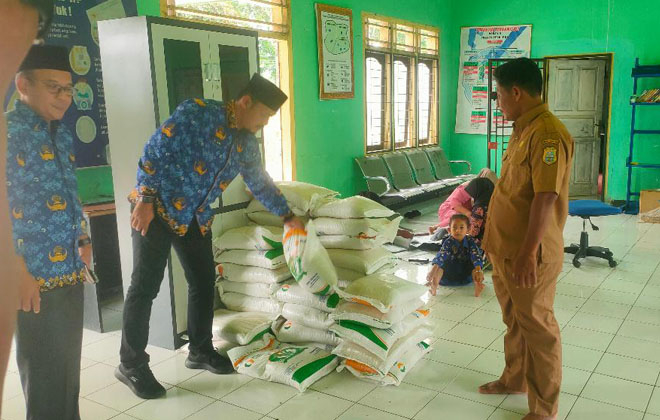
335 45
75 27
478 45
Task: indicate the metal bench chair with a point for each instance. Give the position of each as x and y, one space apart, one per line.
423 171
442 167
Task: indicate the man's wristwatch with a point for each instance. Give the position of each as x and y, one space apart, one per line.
84 242
146 198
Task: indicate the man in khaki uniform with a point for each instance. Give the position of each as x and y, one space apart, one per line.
524 239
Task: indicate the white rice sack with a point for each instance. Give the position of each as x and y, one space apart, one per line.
241 327
367 262
310 317
355 207
382 291
348 275
308 260
271 260
260 290
376 340
293 293
288 331
265 218
397 372
301 196
382 230
296 366
247 274
244 303
257 238
349 242
368 315
372 363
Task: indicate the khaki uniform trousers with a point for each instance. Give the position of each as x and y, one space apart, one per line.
532 345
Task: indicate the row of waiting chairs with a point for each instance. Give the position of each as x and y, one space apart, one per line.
401 178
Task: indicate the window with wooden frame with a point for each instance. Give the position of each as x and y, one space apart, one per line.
401 84
271 19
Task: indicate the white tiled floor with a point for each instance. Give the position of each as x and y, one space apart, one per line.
610 322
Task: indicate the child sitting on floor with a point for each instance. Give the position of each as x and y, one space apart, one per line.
459 261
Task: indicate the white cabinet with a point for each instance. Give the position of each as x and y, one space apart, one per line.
150 65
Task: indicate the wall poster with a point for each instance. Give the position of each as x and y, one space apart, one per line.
334 26
478 44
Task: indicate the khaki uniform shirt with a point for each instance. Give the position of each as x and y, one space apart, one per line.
538 159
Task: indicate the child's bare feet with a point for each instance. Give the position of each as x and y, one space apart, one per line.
478 288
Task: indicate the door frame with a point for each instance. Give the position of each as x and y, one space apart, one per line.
608 57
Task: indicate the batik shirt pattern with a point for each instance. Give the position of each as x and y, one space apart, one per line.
46 214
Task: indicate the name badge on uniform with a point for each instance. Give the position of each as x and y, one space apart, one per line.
550 155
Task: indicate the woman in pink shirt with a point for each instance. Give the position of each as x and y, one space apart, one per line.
459 201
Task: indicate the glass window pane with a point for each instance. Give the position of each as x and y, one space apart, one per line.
269 69
402 98
183 66
375 101
423 101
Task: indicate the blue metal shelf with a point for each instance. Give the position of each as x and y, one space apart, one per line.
638 72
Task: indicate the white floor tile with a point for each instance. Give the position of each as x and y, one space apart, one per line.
472 335
432 375
173 370
632 347
214 386
585 409
116 396
580 357
490 361
654 404
361 412
12 387
453 353
260 396
595 340
221 410
104 349
177 404
452 407
95 378
311 404
518 404
574 380
405 400
466 386
344 385
627 394
89 410
630 369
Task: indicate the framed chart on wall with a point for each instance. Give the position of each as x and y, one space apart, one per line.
334 28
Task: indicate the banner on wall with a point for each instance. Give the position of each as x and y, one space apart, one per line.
478 45
75 27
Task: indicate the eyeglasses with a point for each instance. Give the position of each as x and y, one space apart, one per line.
56 88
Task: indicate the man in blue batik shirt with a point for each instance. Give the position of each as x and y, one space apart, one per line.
186 165
50 236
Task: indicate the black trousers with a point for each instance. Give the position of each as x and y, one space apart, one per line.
48 347
150 256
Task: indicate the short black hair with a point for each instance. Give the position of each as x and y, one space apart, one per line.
459 216
521 72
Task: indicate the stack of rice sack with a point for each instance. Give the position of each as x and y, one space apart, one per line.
251 265
300 196
383 326
309 298
353 231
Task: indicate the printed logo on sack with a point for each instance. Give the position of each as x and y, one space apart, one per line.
287 325
248 363
401 367
286 287
284 355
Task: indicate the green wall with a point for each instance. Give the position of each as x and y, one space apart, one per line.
330 134
627 28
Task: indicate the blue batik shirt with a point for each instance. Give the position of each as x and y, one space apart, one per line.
47 218
191 159
463 251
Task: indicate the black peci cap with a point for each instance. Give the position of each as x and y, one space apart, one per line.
46 57
265 91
